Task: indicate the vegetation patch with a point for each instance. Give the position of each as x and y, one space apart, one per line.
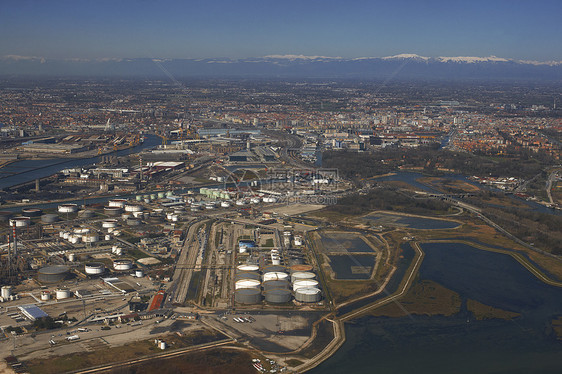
482 311
557 327
423 298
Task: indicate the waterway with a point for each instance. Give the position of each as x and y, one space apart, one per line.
28 170
461 344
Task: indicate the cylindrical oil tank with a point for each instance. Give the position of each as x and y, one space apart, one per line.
305 283
109 223
67 208
275 275
90 238
248 267
138 198
133 208
122 265
71 257
304 268
62 293
6 292
276 260
107 237
302 275
117 203
161 195
5 216
278 295
139 273
74 239
52 274
94 268
274 268
112 211
65 235
138 214
31 212
86 214
247 275
247 283
247 295
20 221
118 251
133 222
45 295
308 295
49 218
275 284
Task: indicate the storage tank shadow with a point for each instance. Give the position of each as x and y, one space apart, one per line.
53 274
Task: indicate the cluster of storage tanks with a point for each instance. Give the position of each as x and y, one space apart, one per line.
215 195
278 283
79 235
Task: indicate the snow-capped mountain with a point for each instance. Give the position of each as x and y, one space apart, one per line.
401 66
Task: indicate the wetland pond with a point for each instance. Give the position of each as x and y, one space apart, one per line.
461 344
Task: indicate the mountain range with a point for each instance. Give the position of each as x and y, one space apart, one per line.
402 66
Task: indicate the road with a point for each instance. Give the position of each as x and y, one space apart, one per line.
174 353
185 264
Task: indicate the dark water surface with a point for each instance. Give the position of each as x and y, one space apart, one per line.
460 344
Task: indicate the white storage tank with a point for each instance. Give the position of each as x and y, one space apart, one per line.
74 239
90 238
122 265
62 293
94 268
65 235
139 273
133 208
67 208
6 292
225 204
109 223
45 295
248 267
297 275
107 237
20 221
275 275
308 295
247 283
71 257
305 283
117 203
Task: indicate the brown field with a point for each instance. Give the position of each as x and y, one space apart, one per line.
482 311
423 298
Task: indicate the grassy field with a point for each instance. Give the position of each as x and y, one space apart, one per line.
557 327
423 298
104 354
482 311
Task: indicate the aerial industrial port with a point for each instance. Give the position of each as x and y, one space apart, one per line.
144 230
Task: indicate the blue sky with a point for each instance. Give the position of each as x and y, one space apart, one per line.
248 28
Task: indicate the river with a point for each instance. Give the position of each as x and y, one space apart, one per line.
28 170
461 344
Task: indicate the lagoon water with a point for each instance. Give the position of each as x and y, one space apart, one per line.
461 344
